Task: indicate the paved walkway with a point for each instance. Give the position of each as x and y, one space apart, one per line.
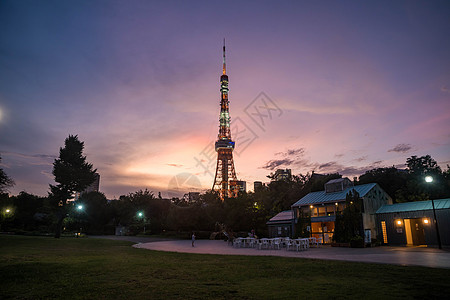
406 256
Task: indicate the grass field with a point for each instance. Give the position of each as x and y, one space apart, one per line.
69 268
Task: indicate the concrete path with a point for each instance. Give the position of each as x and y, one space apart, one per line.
406 256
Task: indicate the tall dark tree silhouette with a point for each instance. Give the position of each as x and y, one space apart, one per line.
72 174
5 180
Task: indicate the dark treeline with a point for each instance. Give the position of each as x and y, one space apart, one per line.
142 209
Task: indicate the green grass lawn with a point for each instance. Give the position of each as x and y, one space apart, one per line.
87 268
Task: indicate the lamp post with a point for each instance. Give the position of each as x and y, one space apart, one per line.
79 208
429 179
141 216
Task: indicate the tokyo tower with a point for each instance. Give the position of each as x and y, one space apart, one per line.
225 179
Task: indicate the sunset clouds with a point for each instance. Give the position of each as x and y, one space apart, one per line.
353 86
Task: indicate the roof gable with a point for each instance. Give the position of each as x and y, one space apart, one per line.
323 197
284 216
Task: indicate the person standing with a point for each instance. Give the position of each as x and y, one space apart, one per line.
193 239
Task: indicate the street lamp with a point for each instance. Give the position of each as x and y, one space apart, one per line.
80 208
429 179
141 216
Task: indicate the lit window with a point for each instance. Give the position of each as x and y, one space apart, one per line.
383 229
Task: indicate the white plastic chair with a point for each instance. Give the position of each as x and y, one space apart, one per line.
304 244
290 244
237 242
276 243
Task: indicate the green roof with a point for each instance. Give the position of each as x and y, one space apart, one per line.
414 206
322 197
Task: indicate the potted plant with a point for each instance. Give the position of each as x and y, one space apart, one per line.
357 242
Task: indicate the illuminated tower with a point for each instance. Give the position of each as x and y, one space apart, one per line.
224 145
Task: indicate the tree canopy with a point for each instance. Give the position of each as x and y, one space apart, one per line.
5 181
72 174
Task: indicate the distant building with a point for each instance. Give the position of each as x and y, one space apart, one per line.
257 185
282 174
238 185
93 187
193 197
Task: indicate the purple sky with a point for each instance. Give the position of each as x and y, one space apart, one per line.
340 86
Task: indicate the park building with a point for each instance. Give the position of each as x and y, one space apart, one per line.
413 223
320 208
323 206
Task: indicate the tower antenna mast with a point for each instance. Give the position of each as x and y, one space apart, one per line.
224 65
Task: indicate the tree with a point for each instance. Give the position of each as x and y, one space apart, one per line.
5 181
417 188
424 165
392 180
72 174
348 225
95 212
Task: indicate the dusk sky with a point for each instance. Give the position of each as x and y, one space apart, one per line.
329 86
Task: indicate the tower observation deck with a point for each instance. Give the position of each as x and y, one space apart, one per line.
225 171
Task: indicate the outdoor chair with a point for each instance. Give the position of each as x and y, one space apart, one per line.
264 244
304 244
276 243
290 245
259 244
313 242
253 243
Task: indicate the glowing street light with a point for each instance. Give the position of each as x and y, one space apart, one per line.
429 179
80 207
141 216
7 210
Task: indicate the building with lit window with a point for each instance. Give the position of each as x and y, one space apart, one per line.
238 185
323 206
412 223
282 174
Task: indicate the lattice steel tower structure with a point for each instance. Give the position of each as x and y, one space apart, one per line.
225 171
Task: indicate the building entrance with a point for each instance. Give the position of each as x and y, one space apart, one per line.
415 235
322 231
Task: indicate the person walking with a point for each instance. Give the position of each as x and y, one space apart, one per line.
193 239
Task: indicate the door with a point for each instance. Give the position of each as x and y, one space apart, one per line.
417 232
